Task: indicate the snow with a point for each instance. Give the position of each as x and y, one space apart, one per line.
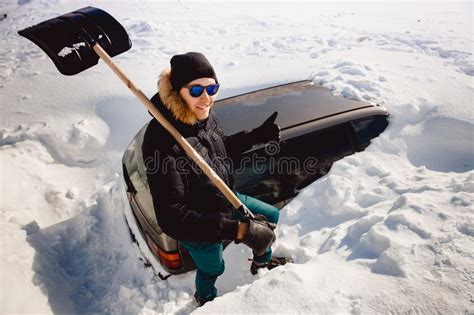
387 230
68 50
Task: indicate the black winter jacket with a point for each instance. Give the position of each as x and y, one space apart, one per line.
187 204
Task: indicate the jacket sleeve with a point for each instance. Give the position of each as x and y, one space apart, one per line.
175 218
238 143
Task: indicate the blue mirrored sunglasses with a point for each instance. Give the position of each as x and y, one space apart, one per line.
197 89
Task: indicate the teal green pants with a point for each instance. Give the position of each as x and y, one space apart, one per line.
208 256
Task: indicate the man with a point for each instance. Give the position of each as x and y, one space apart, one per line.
188 206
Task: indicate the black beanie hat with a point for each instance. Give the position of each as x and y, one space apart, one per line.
188 67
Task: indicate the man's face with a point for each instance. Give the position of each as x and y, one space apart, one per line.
202 104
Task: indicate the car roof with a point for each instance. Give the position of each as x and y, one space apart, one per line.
303 107
296 103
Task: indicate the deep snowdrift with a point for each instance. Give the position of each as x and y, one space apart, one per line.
386 230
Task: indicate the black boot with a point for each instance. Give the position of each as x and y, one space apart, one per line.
274 262
199 301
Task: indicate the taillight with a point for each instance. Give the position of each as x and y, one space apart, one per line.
171 260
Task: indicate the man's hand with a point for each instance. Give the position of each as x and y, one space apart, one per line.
256 234
243 226
268 131
242 230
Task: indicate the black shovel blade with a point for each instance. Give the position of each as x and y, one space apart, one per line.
69 38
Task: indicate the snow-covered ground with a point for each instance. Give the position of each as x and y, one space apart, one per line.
388 230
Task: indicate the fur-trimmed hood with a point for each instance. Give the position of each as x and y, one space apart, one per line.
173 101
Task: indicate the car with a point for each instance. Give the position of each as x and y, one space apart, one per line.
317 129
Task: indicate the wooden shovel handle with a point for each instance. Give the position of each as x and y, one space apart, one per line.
228 193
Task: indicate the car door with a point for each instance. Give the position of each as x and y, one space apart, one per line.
368 128
315 152
256 175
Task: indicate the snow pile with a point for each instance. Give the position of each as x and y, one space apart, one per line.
389 229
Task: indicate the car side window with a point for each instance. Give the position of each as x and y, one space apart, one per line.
143 196
136 170
369 128
256 175
315 152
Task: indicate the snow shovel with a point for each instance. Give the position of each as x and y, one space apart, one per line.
76 40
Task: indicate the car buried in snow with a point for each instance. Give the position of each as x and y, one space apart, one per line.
317 129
